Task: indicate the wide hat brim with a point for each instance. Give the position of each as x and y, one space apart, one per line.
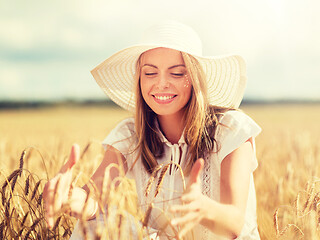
225 75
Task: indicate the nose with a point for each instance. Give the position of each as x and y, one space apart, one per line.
163 82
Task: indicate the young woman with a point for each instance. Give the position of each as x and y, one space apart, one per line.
185 113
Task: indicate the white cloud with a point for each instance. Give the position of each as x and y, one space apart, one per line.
47 80
10 78
62 40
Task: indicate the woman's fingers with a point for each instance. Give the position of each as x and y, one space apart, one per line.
193 193
56 190
63 180
74 155
184 219
186 222
48 196
190 212
73 159
55 195
195 171
187 227
184 208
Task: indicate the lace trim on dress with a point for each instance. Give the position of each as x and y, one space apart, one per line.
206 190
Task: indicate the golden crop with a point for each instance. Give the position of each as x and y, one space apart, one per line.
35 143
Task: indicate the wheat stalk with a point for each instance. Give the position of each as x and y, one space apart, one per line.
308 203
275 221
161 178
147 215
56 224
32 228
24 219
35 189
23 154
27 184
11 176
151 179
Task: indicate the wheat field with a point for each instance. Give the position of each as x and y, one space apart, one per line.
34 143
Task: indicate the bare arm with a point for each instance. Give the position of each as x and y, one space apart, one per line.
114 162
227 216
112 158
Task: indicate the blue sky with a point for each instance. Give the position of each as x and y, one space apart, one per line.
47 48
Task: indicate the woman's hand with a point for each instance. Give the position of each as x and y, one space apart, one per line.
57 190
193 209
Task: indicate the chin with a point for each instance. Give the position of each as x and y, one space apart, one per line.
163 112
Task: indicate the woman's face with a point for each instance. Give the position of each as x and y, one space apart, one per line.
164 81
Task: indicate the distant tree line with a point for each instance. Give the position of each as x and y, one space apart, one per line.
108 103
43 104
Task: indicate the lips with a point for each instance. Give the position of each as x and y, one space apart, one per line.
164 98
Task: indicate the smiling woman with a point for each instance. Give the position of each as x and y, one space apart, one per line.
186 118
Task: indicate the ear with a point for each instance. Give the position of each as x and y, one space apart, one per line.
195 171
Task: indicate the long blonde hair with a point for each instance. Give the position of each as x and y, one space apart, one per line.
200 120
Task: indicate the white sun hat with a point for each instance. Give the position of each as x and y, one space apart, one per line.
225 75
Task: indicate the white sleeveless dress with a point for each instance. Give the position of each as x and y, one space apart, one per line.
236 129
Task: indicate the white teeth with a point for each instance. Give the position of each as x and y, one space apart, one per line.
163 98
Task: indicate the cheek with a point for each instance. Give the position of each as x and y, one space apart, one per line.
190 89
187 87
145 88
142 84
186 82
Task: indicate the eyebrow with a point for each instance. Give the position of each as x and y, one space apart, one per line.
174 66
178 65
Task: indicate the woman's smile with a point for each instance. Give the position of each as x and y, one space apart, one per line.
164 98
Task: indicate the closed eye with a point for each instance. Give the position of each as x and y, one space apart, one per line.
150 74
177 74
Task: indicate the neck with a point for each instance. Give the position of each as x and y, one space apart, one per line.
172 127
